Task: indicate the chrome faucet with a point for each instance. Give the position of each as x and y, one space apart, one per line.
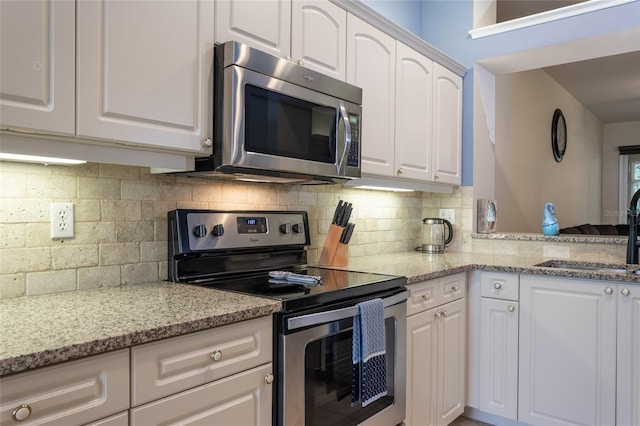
632 219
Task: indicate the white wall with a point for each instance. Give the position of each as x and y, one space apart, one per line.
615 135
527 176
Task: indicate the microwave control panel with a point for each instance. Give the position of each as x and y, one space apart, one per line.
353 159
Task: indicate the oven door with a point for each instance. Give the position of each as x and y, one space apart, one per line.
275 125
315 365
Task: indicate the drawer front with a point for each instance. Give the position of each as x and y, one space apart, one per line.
173 365
75 392
241 399
424 295
500 285
452 287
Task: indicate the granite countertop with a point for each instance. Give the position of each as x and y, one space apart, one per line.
37 331
42 330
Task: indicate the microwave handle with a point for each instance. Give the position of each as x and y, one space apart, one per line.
341 166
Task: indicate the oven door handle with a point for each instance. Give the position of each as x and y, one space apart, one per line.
338 314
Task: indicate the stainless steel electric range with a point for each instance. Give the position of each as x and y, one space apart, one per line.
263 253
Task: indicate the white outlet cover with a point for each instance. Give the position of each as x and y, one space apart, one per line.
61 216
449 214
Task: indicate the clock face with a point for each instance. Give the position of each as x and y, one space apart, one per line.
558 135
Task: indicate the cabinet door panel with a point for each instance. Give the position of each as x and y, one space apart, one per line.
447 125
414 114
76 392
628 412
422 368
567 351
451 361
499 357
37 69
144 72
371 66
262 24
242 399
326 53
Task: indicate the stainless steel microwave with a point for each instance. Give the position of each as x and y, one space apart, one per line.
277 121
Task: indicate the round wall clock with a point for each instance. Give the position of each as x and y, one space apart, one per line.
558 135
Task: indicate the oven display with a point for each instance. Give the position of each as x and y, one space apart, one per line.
252 225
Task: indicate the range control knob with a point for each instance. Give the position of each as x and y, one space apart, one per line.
285 228
200 231
217 230
298 228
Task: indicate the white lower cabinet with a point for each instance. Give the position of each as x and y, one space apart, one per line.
242 399
628 357
567 371
499 310
436 351
75 392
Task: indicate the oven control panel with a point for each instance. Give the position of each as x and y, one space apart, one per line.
207 230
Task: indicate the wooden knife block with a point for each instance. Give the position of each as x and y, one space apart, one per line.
333 252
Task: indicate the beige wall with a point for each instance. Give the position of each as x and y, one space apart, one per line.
121 228
615 135
527 176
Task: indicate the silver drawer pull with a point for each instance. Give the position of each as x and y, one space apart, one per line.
426 296
216 356
497 286
455 288
511 308
21 413
444 313
608 290
268 379
625 292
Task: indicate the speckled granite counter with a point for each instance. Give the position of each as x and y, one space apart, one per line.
42 330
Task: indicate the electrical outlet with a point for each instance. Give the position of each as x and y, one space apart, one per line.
62 220
449 214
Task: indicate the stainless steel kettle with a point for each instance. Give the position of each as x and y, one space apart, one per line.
433 235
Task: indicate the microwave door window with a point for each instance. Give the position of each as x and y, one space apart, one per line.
284 126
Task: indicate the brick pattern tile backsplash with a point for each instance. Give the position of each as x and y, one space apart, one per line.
121 227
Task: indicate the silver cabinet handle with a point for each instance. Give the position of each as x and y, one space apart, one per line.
511 308
438 315
608 290
455 288
444 313
268 379
426 296
625 292
216 356
21 412
400 171
497 286
207 142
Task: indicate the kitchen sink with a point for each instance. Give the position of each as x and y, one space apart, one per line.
587 266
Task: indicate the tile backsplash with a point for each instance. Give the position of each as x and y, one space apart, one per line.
121 227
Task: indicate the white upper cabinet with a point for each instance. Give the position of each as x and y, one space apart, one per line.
319 37
414 115
144 72
311 33
371 65
37 67
447 131
258 23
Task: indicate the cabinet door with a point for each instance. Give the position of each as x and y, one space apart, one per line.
319 37
242 399
451 361
75 392
37 68
447 126
422 368
144 72
371 65
414 114
567 368
264 25
628 411
499 357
